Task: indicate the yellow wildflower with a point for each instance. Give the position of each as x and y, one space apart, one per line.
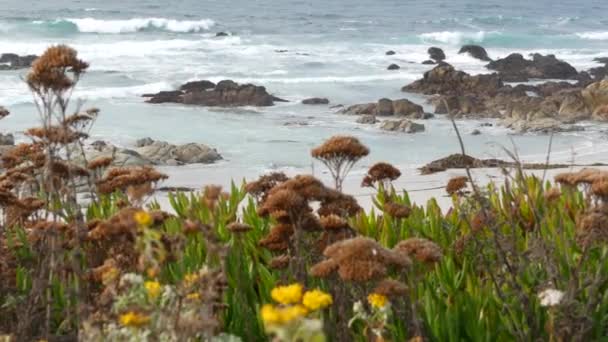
133 319
110 275
190 279
153 289
289 294
143 218
194 296
377 300
316 299
272 315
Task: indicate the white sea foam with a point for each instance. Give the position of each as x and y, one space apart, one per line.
593 35
455 37
92 25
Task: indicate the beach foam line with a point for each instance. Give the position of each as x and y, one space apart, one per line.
109 26
593 35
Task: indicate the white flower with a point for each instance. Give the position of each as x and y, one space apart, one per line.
550 297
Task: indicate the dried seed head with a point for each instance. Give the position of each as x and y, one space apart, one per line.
552 194
456 184
56 135
279 262
592 227
50 71
283 200
324 268
339 204
396 210
260 188
381 173
237 227
100 163
333 222
391 288
122 178
278 238
422 249
345 147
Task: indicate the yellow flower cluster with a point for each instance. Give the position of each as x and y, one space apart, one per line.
279 315
194 296
153 289
294 304
316 299
289 294
190 279
377 300
143 218
133 319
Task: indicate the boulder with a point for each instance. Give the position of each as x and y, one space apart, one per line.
476 51
542 125
515 68
405 125
445 80
596 96
384 107
3 112
460 105
143 142
359 109
393 67
390 53
7 139
367 119
475 132
197 86
162 153
221 34
601 113
436 54
572 106
429 62
315 101
226 93
11 61
405 107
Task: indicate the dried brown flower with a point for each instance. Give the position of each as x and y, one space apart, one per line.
456 184
100 163
283 200
56 135
50 71
391 288
24 153
64 169
279 262
396 210
237 227
339 204
592 227
324 268
600 188
360 259
339 154
122 178
552 194
381 173
422 249
260 188
278 238
333 222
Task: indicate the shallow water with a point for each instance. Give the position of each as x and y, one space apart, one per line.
334 49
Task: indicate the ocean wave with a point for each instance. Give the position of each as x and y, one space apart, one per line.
456 37
593 35
92 25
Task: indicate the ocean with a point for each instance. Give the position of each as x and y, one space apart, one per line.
296 49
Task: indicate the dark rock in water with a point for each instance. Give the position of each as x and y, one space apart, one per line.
197 86
221 34
393 67
172 96
226 93
337 106
429 62
459 161
296 123
436 54
7 139
11 61
476 51
476 132
445 80
367 119
281 51
601 60
387 107
405 126
175 189
3 112
515 67
315 101
144 142
486 124
390 53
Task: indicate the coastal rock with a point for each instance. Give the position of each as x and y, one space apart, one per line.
197 86
315 101
429 62
543 125
161 152
384 107
11 61
405 107
596 97
367 119
7 139
572 106
458 161
515 68
476 51
475 132
405 125
460 105
221 34
393 67
143 142
360 109
436 54
445 80
226 93
390 53
3 112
